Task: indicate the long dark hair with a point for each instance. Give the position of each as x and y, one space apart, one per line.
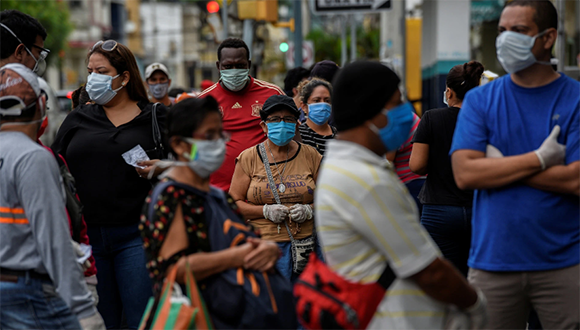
122 59
463 77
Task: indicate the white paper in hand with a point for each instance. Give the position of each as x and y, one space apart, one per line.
135 155
87 250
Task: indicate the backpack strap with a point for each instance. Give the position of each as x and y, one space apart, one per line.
73 205
387 277
157 190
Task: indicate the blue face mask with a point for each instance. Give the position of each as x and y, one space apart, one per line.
281 133
319 112
398 129
99 87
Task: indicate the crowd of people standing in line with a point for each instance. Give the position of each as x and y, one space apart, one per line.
242 184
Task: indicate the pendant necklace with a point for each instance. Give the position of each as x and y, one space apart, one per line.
282 186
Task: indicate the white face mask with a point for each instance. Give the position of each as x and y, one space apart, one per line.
99 87
159 91
206 156
445 100
514 50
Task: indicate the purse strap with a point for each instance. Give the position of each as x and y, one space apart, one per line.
271 182
156 131
387 276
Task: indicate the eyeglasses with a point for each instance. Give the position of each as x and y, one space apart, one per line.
276 119
208 137
43 51
109 45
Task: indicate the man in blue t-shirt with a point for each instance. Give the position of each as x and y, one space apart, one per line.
525 238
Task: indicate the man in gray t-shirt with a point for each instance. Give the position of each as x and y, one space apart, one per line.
41 283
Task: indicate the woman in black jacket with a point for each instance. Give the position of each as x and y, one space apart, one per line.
93 139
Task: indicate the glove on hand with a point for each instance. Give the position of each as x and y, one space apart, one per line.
93 322
276 213
551 153
474 317
492 152
87 264
300 212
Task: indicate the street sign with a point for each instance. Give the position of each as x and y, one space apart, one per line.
322 7
307 54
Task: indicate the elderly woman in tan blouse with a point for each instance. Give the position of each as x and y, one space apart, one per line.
293 169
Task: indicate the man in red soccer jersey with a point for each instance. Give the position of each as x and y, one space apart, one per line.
240 99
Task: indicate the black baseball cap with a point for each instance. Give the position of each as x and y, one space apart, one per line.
278 102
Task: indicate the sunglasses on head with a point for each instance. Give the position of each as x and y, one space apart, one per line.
109 45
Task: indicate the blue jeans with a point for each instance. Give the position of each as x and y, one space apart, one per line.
450 228
124 284
33 304
284 264
414 188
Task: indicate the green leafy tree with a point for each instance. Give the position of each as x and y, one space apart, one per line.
53 15
327 46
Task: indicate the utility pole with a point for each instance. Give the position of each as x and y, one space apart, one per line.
248 35
352 38
225 17
561 40
343 54
297 33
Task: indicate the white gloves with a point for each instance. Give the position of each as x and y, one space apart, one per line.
300 212
474 317
492 152
551 153
93 322
276 213
86 264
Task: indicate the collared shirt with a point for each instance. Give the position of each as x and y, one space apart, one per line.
241 118
366 217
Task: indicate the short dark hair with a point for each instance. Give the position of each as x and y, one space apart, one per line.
24 26
463 77
186 116
293 78
308 87
175 91
122 59
546 15
233 43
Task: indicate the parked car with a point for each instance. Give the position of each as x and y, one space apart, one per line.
64 99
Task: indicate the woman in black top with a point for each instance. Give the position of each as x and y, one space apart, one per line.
92 139
446 209
315 98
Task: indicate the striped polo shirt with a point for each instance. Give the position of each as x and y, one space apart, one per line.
311 138
404 154
366 217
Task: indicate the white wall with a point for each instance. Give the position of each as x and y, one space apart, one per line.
162 32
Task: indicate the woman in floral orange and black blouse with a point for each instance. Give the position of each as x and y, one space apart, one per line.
177 231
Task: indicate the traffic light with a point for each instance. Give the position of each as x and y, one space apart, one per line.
212 7
284 47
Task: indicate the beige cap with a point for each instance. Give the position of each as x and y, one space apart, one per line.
155 67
